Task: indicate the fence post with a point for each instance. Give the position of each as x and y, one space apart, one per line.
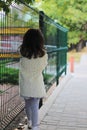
41 27
57 58
41 21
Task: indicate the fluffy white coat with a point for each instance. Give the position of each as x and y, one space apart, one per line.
30 77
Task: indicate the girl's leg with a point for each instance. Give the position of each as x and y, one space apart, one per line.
28 109
31 107
35 108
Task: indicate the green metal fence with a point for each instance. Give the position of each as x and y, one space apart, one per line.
12 28
56 44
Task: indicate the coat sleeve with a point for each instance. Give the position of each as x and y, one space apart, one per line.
45 61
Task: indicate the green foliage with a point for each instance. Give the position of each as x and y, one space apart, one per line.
8 75
71 14
47 78
5 5
1 91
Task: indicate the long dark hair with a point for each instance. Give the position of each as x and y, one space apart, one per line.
33 44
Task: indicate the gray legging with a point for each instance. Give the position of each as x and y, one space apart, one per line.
31 107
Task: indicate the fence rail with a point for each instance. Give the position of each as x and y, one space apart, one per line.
12 28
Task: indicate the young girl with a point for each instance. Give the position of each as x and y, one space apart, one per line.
32 63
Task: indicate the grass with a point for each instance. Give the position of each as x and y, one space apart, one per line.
76 55
1 91
8 75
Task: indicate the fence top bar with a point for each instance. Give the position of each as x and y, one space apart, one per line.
58 49
57 24
22 1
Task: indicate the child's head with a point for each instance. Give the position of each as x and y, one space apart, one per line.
33 44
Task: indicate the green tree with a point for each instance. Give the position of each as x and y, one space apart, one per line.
5 4
71 14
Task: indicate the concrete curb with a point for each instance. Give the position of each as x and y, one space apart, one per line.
45 108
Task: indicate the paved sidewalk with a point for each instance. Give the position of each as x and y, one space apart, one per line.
66 108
